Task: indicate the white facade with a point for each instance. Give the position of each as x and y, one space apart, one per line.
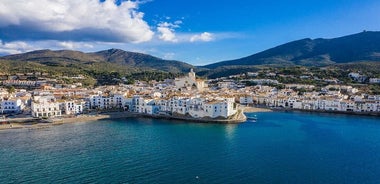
213 109
374 80
194 107
73 107
246 100
106 102
189 82
355 104
45 109
11 106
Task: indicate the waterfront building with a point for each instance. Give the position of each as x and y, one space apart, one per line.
45 107
106 102
73 107
246 100
12 105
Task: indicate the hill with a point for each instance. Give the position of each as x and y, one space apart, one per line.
363 46
140 60
112 57
99 68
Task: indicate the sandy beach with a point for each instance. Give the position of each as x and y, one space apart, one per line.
256 109
33 123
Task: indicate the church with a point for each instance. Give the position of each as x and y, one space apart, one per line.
189 82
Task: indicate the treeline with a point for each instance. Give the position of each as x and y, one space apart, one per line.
113 77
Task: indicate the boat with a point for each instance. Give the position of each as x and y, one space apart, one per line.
252 118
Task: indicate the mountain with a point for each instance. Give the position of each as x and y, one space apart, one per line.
111 57
364 46
42 56
142 60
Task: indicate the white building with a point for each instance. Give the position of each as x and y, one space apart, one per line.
374 80
215 108
73 107
194 107
106 102
45 107
11 106
245 100
189 82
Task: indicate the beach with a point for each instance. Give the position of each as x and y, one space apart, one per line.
33 123
256 109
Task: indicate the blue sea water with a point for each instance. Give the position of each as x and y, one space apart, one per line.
281 147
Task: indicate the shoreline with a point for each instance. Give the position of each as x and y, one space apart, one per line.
240 117
273 109
35 123
370 114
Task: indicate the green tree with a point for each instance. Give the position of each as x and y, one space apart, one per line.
11 89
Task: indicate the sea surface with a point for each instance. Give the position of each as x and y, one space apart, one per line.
281 147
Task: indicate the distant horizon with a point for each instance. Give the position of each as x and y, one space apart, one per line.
196 32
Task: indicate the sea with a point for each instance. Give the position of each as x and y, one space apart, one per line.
280 147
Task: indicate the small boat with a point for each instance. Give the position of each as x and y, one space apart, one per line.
252 118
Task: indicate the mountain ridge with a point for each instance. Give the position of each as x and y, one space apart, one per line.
364 46
114 56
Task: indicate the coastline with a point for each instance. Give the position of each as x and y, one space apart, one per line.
373 114
272 109
35 123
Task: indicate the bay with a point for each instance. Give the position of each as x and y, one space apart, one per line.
281 147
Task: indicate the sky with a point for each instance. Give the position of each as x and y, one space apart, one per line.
198 32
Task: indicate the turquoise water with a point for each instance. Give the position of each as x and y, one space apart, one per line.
280 148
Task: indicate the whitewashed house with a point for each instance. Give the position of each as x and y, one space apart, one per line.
106 102
45 107
72 107
246 100
13 105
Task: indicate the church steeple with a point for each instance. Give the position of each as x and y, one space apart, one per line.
192 74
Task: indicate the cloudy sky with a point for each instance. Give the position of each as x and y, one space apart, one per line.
195 31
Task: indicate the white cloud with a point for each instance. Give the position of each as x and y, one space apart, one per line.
204 37
15 47
167 32
178 22
74 45
122 21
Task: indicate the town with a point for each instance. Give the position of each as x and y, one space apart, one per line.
186 97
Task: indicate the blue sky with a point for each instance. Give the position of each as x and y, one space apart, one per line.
197 31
